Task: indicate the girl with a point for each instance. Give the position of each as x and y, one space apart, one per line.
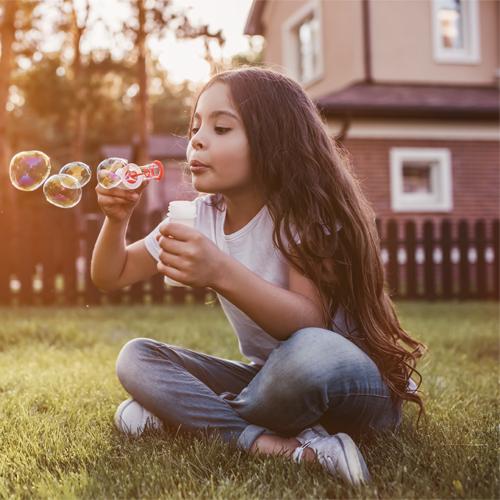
287 240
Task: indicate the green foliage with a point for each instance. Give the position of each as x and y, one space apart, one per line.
44 120
248 59
58 393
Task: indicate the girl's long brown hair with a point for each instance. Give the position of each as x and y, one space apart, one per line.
309 186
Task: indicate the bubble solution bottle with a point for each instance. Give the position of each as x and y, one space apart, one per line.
181 212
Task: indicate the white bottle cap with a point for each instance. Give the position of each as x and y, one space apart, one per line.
182 209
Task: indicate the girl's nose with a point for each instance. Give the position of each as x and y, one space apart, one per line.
197 143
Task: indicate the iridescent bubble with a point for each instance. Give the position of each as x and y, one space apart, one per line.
29 169
108 172
80 171
62 190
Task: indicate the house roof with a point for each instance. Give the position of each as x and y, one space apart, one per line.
254 25
412 100
160 146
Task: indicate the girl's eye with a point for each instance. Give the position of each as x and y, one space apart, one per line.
218 130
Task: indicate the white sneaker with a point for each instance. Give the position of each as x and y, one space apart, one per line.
131 418
339 455
312 432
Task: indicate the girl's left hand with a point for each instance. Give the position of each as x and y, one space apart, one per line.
188 256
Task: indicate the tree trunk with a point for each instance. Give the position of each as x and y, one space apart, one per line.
7 38
143 123
80 109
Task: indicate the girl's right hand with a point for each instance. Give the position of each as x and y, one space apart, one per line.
118 204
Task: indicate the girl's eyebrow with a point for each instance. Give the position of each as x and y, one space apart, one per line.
217 113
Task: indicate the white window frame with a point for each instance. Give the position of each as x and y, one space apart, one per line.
290 42
471 53
438 201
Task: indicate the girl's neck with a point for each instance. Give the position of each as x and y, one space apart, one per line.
240 211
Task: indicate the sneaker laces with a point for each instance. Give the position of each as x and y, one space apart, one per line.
299 451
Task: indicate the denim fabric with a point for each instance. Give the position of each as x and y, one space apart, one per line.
315 376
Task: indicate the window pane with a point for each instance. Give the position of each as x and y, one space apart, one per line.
417 178
308 57
451 23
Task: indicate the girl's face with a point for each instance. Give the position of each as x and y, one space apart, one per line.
218 140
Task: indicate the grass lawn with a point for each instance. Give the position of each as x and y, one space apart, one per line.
58 394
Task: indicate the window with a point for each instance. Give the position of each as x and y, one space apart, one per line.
421 180
302 44
456 31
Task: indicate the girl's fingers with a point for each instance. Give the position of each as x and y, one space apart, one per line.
170 245
171 260
171 271
128 197
118 192
112 200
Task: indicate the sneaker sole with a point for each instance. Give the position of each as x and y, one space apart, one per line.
119 423
355 470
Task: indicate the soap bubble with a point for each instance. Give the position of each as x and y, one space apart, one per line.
80 171
62 190
29 169
109 172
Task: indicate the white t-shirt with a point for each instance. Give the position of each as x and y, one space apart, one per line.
252 245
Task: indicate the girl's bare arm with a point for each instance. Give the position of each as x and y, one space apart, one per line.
115 265
277 311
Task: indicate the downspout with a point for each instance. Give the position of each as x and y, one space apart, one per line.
367 49
367 62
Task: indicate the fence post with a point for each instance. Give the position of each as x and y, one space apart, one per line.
72 248
411 265
157 282
23 256
92 294
480 241
393 264
496 258
463 245
5 255
48 259
135 232
429 266
446 264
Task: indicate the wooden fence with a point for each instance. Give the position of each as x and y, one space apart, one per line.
45 257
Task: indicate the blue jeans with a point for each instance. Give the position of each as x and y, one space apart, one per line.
314 376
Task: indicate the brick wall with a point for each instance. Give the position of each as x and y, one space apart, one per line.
475 177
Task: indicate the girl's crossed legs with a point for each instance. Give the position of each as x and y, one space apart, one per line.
315 376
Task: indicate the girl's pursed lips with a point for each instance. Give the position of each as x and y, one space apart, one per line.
197 163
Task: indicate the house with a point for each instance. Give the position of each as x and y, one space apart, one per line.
411 90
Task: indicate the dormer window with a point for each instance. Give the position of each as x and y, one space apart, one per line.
456 31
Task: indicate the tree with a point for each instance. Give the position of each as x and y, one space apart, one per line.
8 29
155 18
15 17
78 27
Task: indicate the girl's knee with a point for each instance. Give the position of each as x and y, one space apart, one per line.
321 349
321 358
128 362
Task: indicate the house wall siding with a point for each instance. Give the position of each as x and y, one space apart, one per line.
402 45
342 41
